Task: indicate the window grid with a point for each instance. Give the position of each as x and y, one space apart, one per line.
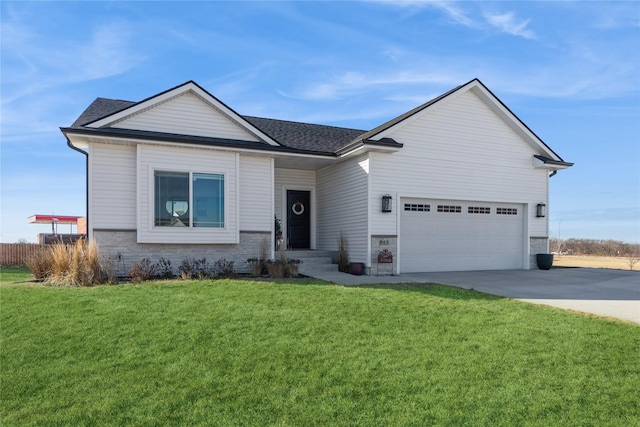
449 208
417 207
479 210
507 211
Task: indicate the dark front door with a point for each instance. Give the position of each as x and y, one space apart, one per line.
299 219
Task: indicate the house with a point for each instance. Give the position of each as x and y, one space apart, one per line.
458 183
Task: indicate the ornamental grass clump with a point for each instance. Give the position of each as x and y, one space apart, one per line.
343 257
71 265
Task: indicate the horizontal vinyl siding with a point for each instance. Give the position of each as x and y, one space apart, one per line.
256 194
460 150
152 158
342 206
112 186
187 115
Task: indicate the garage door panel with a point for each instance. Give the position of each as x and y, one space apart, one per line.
459 235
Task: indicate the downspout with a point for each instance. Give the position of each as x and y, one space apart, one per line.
553 173
86 178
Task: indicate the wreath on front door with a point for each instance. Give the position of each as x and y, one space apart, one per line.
297 208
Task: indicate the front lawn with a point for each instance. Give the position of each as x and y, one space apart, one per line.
234 352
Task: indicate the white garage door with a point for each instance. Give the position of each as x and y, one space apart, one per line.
445 235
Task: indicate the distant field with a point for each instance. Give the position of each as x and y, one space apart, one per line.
619 263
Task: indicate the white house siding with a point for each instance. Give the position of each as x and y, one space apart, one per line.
459 150
187 114
112 186
342 206
256 193
294 179
184 159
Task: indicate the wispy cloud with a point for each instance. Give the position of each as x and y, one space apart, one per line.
508 23
450 8
32 62
353 82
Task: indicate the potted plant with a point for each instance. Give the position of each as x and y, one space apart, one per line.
278 229
544 261
356 268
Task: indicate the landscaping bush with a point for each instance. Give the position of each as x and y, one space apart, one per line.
256 266
293 267
164 268
75 265
40 264
143 270
224 268
192 268
275 268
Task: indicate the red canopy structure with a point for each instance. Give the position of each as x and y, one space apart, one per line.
54 220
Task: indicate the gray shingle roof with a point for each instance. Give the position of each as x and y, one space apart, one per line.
306 136
296 135
101 107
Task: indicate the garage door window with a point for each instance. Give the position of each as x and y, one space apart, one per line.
449 208
417 207
479 210
507 211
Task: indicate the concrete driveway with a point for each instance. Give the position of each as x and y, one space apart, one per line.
603 292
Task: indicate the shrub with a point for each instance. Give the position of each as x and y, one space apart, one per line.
164 268
143 270
191 268
223 267
275 268
293 267
255 266
76 265
40 264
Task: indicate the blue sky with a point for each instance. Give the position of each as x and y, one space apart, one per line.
569 70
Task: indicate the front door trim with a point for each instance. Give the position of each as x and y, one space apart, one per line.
285 208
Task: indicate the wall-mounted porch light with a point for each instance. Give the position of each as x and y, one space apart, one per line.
541 210
386 203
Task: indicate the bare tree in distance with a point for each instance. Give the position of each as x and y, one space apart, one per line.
632 259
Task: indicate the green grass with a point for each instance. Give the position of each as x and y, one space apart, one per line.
235 352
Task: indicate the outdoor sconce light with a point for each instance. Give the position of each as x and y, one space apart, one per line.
386 203
541 210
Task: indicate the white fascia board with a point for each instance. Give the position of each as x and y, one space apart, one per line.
85 140
368 148
492 102
512 120
391 129
539 164
188 87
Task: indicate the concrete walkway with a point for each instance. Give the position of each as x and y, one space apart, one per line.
603 292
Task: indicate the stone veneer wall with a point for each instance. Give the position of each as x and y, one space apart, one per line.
537 245
379 243
123 242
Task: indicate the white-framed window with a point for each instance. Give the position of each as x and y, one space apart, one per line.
188 199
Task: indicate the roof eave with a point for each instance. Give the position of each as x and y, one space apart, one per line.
542 162
196 141
386 145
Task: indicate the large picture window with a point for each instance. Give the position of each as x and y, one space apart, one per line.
188 199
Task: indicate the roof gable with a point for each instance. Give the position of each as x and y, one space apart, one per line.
487 97
187 110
